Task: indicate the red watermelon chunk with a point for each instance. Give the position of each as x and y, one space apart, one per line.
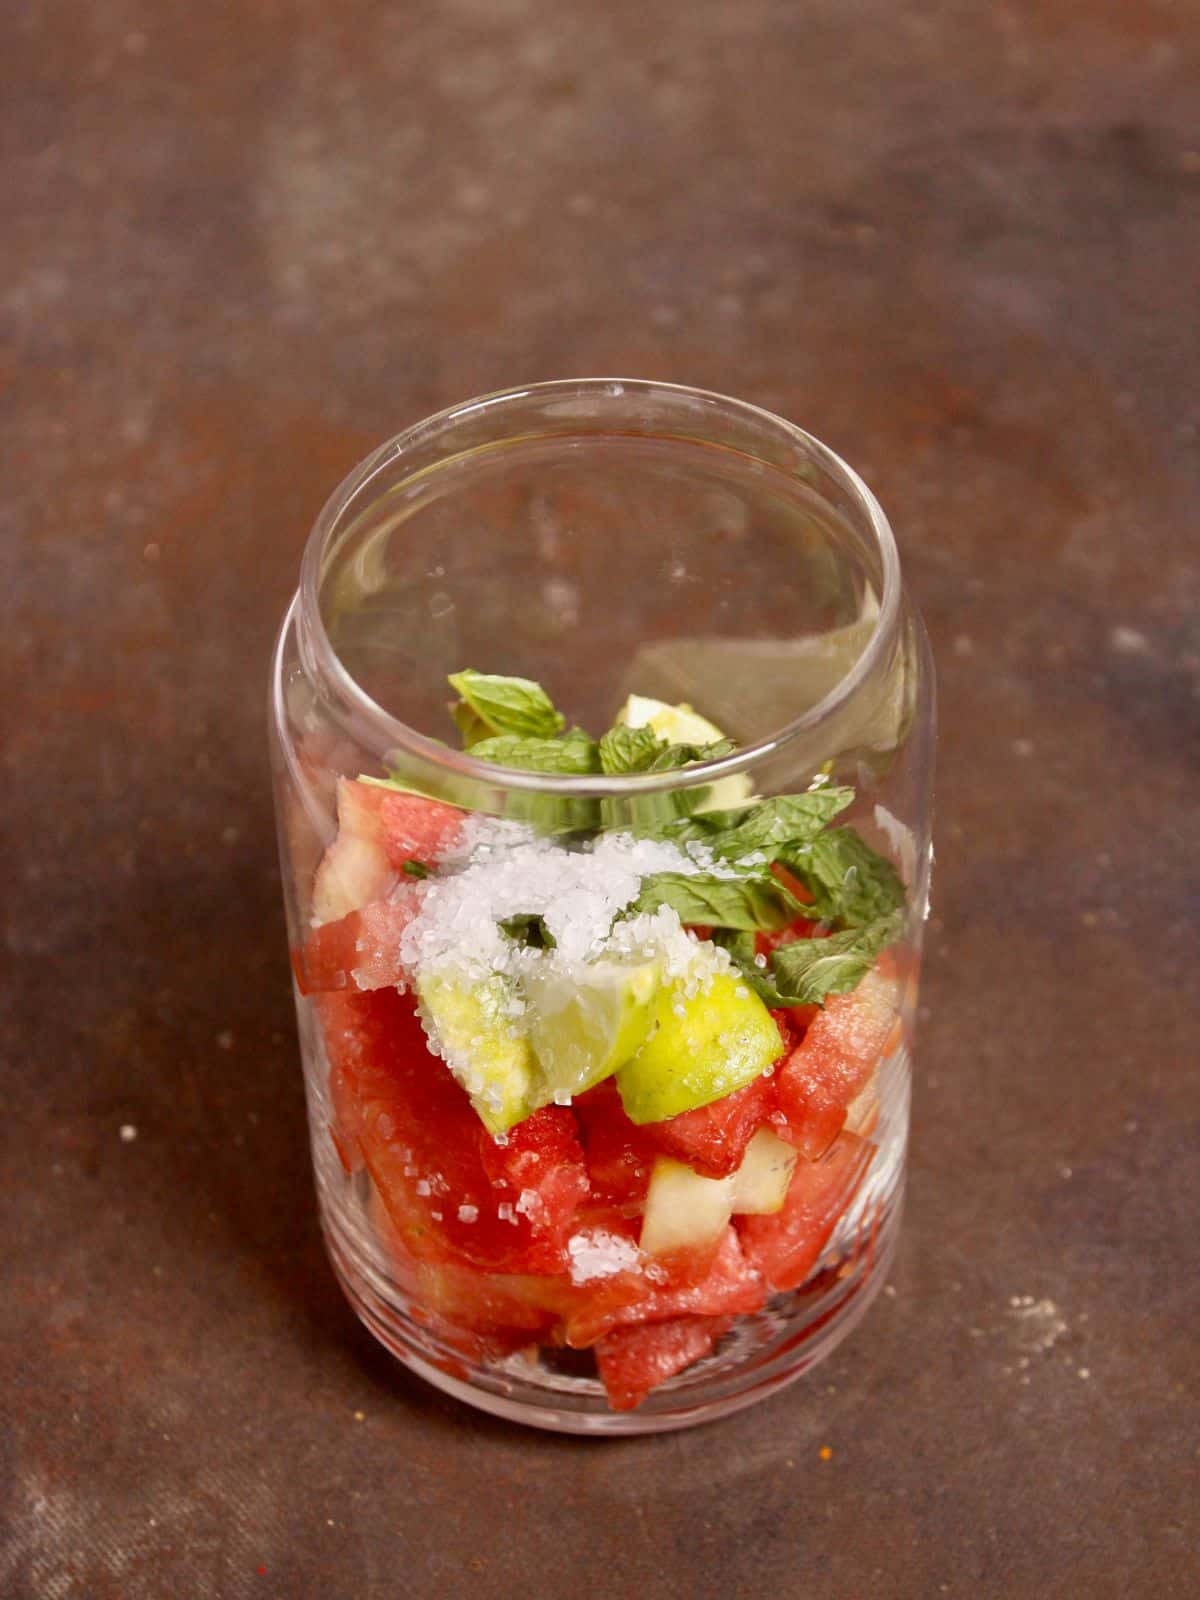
784 1247
415 828
667 1286
633 1361
399 1106
713 1138
619 1155
359 951
838 1054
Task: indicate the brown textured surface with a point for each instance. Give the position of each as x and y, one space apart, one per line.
242 243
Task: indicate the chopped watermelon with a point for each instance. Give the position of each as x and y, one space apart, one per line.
667 1286
784 1247
619 1154
633 1361
415 828
540 1167
829 1068
359 951
421 1142
713 1138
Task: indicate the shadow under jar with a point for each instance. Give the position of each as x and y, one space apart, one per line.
606 1040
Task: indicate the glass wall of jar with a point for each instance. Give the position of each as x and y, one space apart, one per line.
603 730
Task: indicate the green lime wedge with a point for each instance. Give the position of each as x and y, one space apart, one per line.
583 1027
702 1048
681 725
477 1036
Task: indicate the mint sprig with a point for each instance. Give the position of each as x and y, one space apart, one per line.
573 754
491 705
706 900
625 749
805 971
851 884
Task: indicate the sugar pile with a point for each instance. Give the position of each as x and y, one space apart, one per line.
506 869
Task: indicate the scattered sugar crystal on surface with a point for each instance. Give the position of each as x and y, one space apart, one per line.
505 1212
422 1187
530 1203
599 1254
468 1213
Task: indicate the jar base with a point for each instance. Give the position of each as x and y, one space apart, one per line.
760 1355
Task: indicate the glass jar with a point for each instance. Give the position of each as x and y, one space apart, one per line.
566 1172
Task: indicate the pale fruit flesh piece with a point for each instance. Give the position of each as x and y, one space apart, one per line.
760 1184
684 1210
355 869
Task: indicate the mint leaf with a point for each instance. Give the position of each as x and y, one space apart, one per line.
683 755
415 869
804 972
772 825
746 903
743 953
530 930
768 827
495 705
574 754
850 883
629 749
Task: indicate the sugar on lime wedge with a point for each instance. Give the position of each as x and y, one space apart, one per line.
703 1046
476 1033
585 1024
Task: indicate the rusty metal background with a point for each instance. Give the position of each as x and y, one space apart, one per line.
244 242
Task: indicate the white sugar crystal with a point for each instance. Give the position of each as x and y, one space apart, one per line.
504 869
468 1213
600 1254
505 1212
530 1203
422 1187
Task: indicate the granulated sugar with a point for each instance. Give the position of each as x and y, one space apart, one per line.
506 870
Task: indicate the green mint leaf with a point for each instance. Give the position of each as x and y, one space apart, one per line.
775 824
503 706
574 754
743 954
415 869
745 903
528 929
470 724
850 883
767 827
683 755
807 970
625 749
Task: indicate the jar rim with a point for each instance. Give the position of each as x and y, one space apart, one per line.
377 728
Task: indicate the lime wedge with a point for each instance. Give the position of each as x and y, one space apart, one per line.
681 725
702 1047
477 1037
583 1027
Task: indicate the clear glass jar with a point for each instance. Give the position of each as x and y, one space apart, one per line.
605 539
